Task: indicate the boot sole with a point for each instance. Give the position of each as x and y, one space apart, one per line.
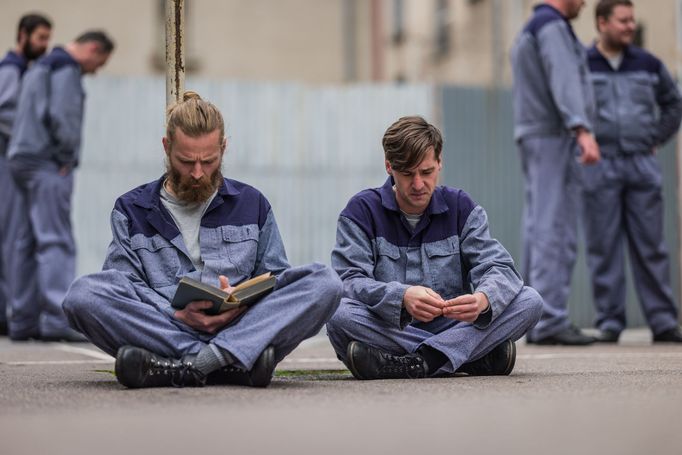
349 359
512 359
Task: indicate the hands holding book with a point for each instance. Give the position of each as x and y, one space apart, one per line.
193 314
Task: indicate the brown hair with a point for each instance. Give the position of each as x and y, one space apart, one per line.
194 116
29 22
408 140
604 8
106 44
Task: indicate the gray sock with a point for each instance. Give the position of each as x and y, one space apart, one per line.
211 358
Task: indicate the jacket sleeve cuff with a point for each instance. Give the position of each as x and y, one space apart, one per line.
484 319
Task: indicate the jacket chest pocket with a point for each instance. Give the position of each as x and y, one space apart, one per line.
603 95
388 264
159 259
240 247
445 267
641 89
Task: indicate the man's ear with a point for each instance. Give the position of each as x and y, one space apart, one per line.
23 37
389 170
166 145
223 147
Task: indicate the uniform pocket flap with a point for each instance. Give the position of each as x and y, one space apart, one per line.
154 243
446 247
385 248
239 233
599 79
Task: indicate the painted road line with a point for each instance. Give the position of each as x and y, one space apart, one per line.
84 351
57 362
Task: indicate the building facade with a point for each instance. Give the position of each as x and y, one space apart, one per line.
463 42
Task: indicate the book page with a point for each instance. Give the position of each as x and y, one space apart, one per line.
252 281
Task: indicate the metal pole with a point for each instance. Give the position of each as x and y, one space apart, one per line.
497 44
175 50
678 64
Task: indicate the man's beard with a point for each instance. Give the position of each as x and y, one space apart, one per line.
30 53
184 189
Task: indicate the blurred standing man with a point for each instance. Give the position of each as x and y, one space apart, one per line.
638 109
43 152
33 35
553 113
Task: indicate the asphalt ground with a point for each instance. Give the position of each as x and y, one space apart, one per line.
61 398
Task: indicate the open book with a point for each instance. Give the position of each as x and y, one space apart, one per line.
245 294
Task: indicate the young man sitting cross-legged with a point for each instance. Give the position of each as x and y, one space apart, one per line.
427 290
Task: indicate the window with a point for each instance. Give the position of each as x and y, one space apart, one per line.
442 28
398 35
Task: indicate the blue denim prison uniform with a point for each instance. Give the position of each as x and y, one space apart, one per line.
45 138
378 256
12 68
552 95
128 303
639 108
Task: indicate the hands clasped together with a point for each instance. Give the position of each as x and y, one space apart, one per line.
425 305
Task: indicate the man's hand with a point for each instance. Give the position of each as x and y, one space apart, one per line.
589 149
466 307
193 314
422 303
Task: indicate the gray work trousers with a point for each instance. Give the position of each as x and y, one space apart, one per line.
623 202
44 254
460 342
552 185
8 207
109 311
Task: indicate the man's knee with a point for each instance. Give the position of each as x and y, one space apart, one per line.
530 303
330 288
322 287
82 297
78 297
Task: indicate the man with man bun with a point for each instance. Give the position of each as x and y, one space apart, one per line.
195 223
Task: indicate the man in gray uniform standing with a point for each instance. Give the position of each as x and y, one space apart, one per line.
427 290
553 118
639 108
33 36
193 222
43 153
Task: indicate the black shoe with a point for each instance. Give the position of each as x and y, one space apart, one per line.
3 328
25 336
69 335
366 362
572 336
669 336
259 376
137 367
607 336
498 362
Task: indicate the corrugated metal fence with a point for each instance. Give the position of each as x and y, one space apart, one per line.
308 149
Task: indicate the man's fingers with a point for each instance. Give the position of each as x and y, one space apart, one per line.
433 294
462 300
424 308
422 316
199 305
